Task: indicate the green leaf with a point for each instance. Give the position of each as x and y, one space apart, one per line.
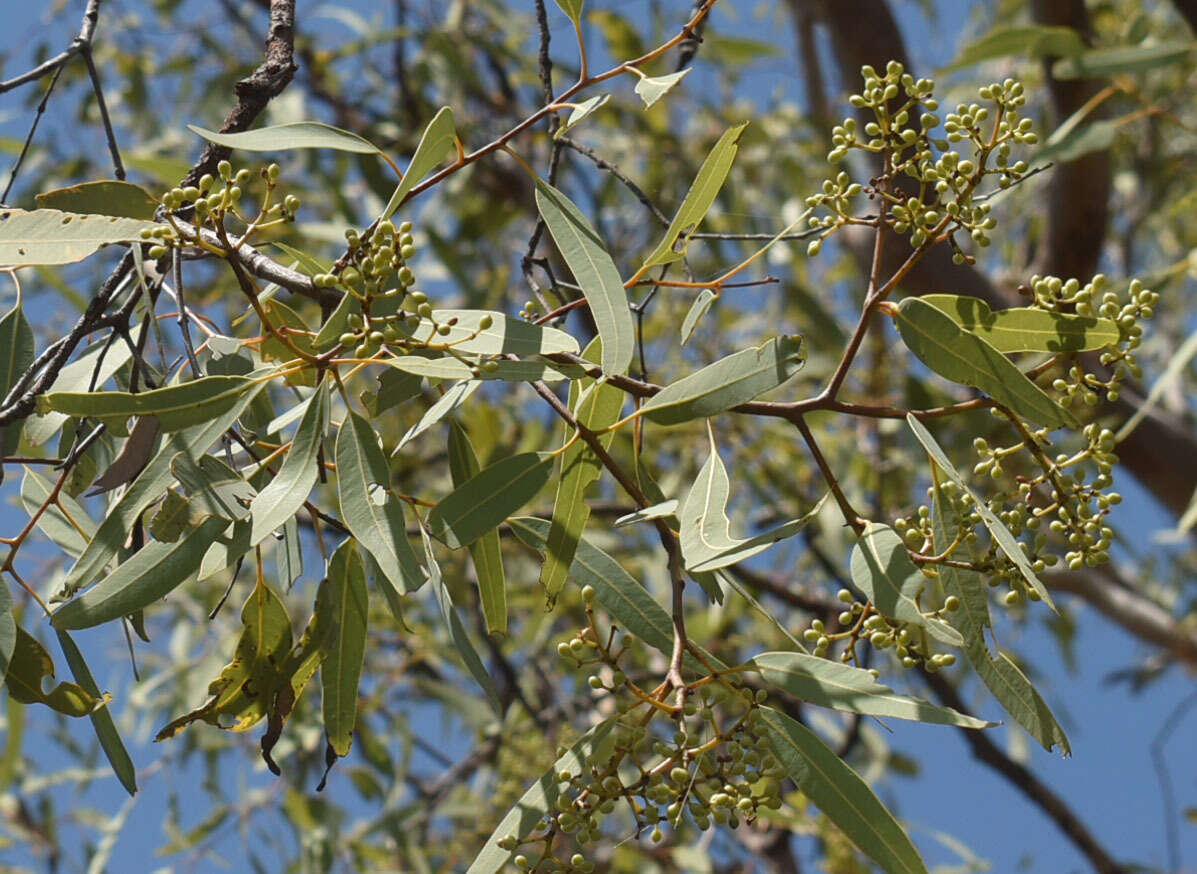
539 799
212 487
997 529
843 687
293 135
107 197
284 496
55 522
457 631
454 396
1069 143
176 407
727 383
882 569
50 236
484 501
486 551
697 310
595 272
16 354
1026 329
505 336
345 645
28 668
1033 41
572 8
841 794
595 406
663 510
337 322
8 629
653 88
446 367
147 488
705 530
394 388
700 197
579 113
1115 60
435 143
373 515
1000 675
965 358
151 573
101 717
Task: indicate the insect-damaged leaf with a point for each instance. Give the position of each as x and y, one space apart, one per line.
373 515
966 358
484 501
700 197
595 272
882 569
28 668
50 236
841 794
727 383
486 552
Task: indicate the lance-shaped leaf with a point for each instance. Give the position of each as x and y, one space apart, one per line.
882 569
965 358
16 354
1026 329
841 794
394 388
337 322
727 383
504 336
579 113
652 88
483 502
149 486
444 367
663 510
8 629
137 450
457 631
1114 60
700 197
101 717
50 236
111 197
284 496
151 573
175 407
706 538
454 396
486 551
435 144
595 272
572 8
539 800
1034 41
595 406
697 310
293 135
855 690
213 487
1001 535
65 521
1000 675
345 645
28 669
371 513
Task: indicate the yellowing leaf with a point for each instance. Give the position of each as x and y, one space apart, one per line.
50 236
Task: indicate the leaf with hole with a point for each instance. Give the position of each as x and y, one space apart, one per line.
51 236
965 358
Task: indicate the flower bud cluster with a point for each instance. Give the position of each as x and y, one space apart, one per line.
863 623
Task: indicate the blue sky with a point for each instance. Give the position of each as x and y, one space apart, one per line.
1109 780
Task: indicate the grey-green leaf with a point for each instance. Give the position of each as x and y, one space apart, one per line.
8 629
843 687
997 529
110 197
539 799
697 310
1026 329
965 358
1034 41
572 8
484 501
705 188
727 383
579 114
438 138
503 336
486 551
1114 60
293 135
101 717
454 396
176 406
284 495
841 794
50 236
150 573
882 569
56 521
373 515
595 272
16 354
653 88
344 644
